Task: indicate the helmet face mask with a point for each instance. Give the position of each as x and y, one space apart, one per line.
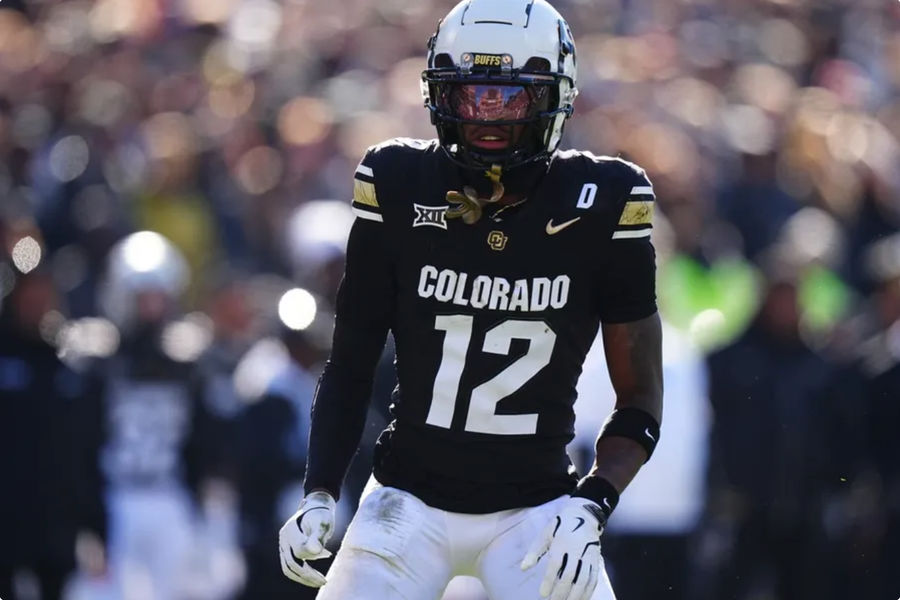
511 85
516 110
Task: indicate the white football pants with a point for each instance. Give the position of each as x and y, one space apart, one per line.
400 548
150 540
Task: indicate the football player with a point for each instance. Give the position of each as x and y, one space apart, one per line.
158 433
494 259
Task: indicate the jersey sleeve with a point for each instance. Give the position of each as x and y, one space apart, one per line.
363 314
636 217
365 199
628 292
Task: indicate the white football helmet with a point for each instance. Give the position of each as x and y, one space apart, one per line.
141 262
501 64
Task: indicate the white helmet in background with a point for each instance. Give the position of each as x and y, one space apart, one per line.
142 262
316 242
504 62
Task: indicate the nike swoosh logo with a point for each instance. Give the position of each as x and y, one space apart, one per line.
648 434
554 229
579 525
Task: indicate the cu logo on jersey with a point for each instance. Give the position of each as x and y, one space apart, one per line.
430 215
497 240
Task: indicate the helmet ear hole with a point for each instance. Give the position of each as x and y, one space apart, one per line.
443 60
536 63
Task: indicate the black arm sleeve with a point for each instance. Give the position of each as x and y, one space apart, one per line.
629 287
364 311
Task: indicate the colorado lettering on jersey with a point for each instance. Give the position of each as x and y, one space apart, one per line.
493 293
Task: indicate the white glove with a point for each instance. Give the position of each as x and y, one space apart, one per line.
303 538
572 544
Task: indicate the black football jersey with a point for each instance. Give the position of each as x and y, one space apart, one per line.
492 320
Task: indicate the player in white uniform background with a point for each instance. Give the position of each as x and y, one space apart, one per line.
495 260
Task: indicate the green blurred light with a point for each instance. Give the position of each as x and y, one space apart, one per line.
714 304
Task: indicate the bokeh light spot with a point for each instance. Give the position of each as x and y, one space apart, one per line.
88 337
21 46
170 136
304 121
259 170
26 254
114 19
297 309
707 326
749 130
231 101
69 158
256 22
783 42
185 340
144 251
205 12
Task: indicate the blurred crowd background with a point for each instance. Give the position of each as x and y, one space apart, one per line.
174 186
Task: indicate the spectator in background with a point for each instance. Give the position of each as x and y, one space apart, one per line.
768 455
271 445
867 515
275 380
754 202
233 324
46 427
315 240
882 401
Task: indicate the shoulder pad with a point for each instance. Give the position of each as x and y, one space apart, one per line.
391 156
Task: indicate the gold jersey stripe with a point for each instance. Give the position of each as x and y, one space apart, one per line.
364 193
637 213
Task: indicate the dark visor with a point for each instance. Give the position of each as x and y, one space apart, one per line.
476 102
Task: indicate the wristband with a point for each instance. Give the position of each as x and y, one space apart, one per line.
598 490
634 424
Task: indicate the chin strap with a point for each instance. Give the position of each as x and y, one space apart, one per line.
468 205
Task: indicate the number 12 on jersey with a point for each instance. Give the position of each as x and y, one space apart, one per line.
482 416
